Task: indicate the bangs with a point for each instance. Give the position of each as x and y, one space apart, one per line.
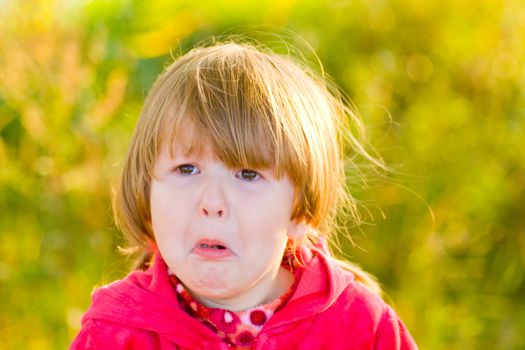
228 108
253 149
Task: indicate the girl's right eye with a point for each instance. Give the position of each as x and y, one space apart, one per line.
187 169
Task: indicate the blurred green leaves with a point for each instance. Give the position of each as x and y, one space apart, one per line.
440 85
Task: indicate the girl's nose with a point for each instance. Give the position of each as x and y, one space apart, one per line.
213 203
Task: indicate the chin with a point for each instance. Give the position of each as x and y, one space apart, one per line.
211 285
213 297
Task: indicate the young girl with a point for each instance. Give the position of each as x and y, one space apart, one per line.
230 186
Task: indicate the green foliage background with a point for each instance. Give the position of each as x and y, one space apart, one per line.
440 85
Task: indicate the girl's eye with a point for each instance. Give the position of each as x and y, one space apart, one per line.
248 175
187 169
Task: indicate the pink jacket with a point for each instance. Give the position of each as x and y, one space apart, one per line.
329 310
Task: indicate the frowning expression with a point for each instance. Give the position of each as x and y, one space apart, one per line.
222 231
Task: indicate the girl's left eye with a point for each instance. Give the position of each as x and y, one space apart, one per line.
248 175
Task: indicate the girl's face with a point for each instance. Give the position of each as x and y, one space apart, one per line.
222 232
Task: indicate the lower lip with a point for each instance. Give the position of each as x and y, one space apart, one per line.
212 253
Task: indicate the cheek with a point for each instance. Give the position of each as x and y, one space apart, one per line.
275 207
166 211
263 229
266 222
165 196
169 231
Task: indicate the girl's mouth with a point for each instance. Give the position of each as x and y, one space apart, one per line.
216 246
209 249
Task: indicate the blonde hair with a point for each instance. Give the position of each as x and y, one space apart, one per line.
256 109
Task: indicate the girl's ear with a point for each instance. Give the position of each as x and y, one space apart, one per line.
297 229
